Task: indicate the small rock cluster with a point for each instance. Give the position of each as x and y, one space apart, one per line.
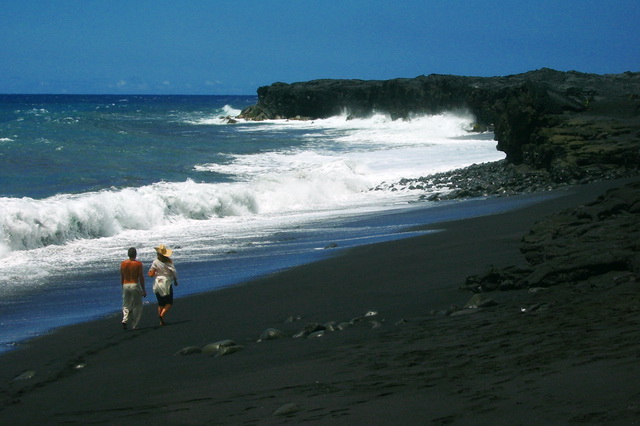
314 329
217 349
498 178
310 330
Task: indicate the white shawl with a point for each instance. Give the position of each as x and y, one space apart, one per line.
165 276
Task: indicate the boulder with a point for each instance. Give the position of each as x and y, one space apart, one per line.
579 244
271 334
213 348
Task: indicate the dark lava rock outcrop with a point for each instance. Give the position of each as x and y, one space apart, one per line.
570 124
584 244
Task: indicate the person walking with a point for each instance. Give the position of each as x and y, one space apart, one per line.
165 275
132 280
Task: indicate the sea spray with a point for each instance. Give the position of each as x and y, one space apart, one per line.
86 177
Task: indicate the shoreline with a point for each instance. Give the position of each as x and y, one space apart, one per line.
402 364
383 225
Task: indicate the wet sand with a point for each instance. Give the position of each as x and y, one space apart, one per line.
574 362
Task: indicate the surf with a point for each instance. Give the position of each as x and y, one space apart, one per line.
335 164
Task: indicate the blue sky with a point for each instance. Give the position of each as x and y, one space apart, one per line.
222 47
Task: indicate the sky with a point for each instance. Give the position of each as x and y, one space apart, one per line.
211 47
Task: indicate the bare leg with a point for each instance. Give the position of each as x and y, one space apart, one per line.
162 311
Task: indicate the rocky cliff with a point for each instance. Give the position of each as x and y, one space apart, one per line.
570 124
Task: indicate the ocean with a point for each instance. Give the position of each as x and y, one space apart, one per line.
83 178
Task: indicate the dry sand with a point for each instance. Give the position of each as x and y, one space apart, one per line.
575 362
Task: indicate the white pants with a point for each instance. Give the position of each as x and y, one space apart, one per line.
131 304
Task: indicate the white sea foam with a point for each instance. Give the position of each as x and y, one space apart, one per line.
219 118
332 170
377 147
330 173
28 223
380 127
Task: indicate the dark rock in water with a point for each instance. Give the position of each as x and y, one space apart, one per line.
229 120
571 125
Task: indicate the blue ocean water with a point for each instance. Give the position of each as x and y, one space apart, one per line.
82 178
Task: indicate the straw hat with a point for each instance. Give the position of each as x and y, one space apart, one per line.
164 250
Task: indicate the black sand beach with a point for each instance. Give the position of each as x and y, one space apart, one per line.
575 362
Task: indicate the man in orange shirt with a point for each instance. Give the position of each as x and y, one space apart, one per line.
132 280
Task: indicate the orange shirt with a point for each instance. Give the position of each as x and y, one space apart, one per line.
131 272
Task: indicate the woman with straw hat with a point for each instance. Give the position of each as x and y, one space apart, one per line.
165 275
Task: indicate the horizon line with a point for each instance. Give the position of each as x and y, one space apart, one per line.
114 94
